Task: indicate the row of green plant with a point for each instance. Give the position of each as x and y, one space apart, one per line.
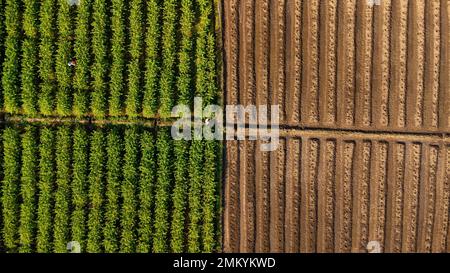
133 58
112 189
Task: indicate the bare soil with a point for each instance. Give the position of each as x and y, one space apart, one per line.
365 116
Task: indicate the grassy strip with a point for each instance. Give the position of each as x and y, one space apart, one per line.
62 196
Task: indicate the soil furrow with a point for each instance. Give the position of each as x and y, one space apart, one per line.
231 47
410 203
293 61
292 195
363 55
444 83
247 198
322 199
262 51
231 200
431 63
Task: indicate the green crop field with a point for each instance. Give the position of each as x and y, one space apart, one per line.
69 170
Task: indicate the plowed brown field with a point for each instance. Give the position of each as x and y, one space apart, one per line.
365 124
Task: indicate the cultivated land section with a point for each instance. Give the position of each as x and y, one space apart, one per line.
365 123
86 150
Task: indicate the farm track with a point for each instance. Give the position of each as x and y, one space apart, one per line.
364 115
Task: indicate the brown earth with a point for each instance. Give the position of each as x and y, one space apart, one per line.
365 118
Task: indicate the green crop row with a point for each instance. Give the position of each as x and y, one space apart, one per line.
133 98
146 198
112 195
153 60
79 186
62 194
129 185
169 54
46 191
30 57
133 58
117 55
95 193
2 47
46 52
63 55
28 184
162 196
113 189
100 66
11 64
83 54
11 175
